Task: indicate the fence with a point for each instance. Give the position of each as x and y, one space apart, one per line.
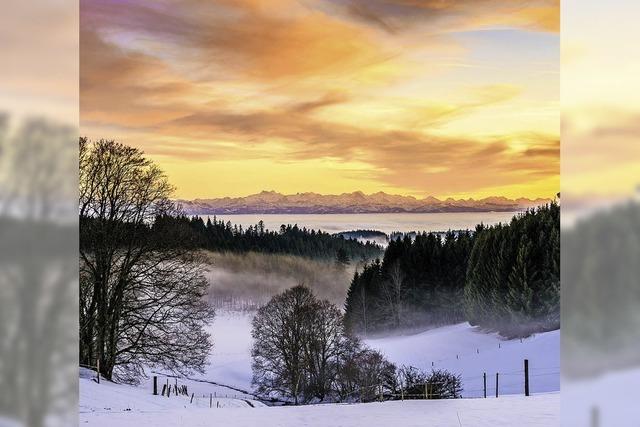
171 387
491 385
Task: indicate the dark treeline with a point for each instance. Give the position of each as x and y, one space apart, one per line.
417 282
504 278
513 280
600 292
217 235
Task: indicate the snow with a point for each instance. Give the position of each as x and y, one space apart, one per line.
230 361
109 398
464 350
540 410
228 374
611 398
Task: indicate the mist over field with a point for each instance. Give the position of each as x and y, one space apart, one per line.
246 281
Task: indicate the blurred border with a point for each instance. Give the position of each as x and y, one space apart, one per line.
600 246
39 104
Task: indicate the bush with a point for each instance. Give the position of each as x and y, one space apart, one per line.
438 384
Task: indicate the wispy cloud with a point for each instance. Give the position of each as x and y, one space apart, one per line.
344 83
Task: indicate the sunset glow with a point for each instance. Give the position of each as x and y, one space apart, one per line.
450 98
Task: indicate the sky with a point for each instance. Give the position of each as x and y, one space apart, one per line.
449 98
600 106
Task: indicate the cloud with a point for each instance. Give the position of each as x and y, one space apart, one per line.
230 80
263 43
456 15
402 158
127 88
328 99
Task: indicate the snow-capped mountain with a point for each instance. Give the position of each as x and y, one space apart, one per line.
271 202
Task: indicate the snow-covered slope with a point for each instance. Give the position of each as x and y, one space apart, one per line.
109 404
230 360
468 352
111 397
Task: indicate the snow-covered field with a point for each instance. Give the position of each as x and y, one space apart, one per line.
229 373
541 410
610 400
108 398
470 353
230 361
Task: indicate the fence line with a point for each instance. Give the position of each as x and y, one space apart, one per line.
384 393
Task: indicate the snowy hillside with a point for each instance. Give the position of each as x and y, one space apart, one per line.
108 397
460 348
229 373
230 361
468 352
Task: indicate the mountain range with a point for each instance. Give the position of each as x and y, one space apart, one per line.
271 202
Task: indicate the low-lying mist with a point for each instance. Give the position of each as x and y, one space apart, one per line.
246 281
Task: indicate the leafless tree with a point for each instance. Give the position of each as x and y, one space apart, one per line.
141 294
375 374
280 330
323 346
301 351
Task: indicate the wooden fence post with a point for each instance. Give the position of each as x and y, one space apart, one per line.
164 388
497 375
155 385
191 401
484 378
426 393
98 369
526 377
210 400
595 417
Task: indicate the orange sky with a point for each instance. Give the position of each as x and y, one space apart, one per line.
600 106
421 97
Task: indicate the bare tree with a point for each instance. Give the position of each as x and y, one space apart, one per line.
323 347
280 330
301 351
375 375
141 294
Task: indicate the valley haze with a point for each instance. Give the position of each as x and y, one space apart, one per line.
271 202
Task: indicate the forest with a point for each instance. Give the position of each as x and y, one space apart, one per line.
217 235
504 278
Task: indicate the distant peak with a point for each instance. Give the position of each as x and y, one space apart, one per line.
270 201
